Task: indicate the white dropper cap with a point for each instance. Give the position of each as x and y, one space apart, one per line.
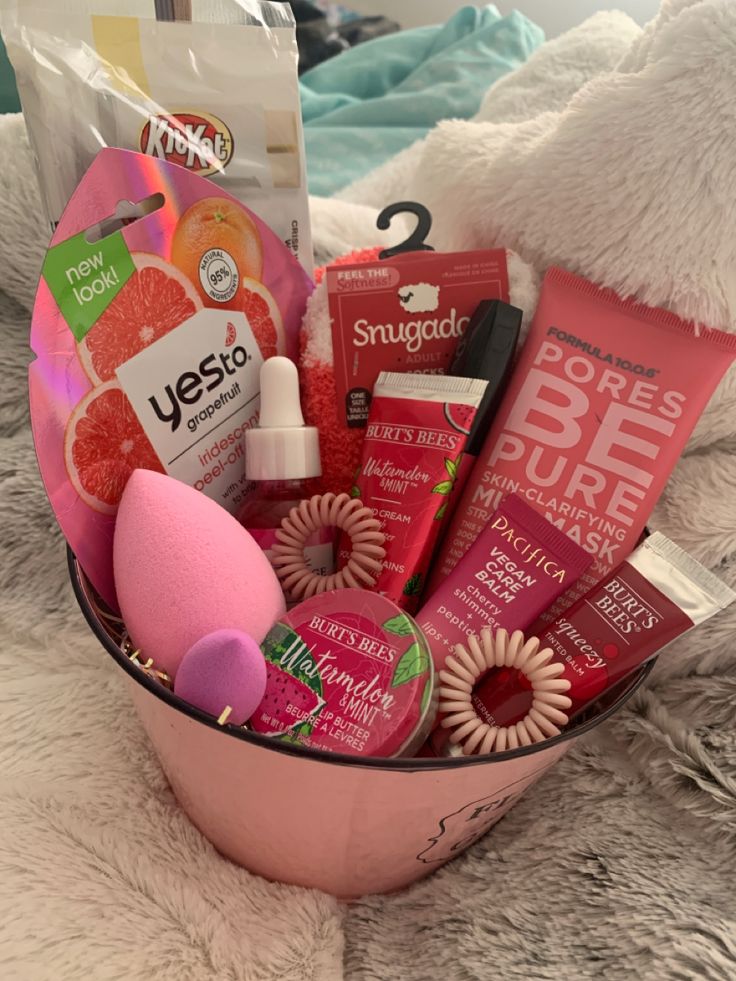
282 448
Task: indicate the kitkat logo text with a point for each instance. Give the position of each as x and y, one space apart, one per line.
198 141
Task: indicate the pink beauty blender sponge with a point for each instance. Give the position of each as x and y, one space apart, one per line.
225 668
184 567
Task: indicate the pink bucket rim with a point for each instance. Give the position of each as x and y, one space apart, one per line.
619 695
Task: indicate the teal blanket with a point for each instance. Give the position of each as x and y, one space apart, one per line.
375 99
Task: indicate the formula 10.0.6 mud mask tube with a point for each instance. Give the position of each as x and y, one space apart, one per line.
601 404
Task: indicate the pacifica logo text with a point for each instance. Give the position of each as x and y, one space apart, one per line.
527 550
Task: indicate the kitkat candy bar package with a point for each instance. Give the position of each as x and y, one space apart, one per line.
209 84
149 332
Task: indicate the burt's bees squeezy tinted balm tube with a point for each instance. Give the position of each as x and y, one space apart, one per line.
518 567
603 399
417 430
659 593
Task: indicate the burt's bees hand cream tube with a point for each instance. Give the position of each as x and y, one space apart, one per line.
417 430
518 566
600 406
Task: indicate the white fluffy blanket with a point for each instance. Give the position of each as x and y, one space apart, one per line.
611 153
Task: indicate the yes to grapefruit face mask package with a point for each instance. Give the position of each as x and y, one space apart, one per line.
448 557
149 341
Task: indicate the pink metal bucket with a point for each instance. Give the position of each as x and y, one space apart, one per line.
343 824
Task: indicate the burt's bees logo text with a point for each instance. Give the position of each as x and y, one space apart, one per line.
412 334
354 639
528 551
412 435
627 612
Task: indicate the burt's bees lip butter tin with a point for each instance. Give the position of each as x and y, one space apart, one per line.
350 672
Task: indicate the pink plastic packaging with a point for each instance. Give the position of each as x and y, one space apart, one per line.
518 567
601 404
151 320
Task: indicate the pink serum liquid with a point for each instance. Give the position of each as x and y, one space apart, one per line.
269 503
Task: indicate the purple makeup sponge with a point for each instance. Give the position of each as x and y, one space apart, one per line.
224 668
185 567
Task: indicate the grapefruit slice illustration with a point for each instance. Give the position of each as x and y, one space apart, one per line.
263 316
156 298
103 444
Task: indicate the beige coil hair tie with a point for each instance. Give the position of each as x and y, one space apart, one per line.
328 511
467 664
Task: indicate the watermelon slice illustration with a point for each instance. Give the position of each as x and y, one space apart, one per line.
282 690
459 416
298 686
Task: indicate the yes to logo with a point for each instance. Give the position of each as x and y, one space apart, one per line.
190 386
198 141
230 335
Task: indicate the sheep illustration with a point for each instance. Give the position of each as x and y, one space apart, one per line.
419 297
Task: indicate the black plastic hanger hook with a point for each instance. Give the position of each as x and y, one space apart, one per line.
415 242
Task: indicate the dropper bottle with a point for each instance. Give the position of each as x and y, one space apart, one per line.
282 463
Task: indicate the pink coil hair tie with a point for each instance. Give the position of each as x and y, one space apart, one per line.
328 511
466 665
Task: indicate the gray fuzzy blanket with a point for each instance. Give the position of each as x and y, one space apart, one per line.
619 864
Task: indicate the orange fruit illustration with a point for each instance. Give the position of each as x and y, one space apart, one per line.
216 223
103 444
155 299
263 316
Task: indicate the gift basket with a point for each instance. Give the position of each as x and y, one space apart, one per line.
371 557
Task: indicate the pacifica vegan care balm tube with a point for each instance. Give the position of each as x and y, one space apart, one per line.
417 430
604 397
659 593
518 567
348 672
